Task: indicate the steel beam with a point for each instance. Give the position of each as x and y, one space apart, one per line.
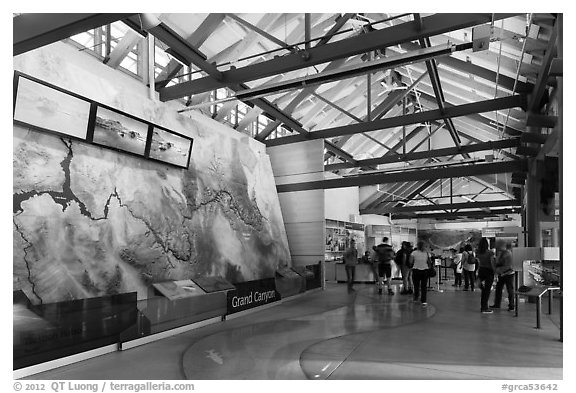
32 31
475 214
398 121
196 39
427 139
353 70
295 102
334 29
385 106
339 152
122 49
338 108
481 72
543 74
492 145
473 116
407 176
264 34
444 206
422 187
182 49
436 85
540 121
278 114
556 68
377 39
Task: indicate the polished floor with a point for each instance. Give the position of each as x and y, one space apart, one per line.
335 335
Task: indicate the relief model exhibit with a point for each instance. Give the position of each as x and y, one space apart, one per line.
90 221
443 239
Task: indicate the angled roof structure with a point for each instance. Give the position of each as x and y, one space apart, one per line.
439 113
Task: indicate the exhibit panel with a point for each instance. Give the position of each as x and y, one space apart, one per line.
51 331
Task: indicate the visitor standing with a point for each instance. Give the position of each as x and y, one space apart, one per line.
420 261
505 274
350 261
457 265
468 267
402 259
385 255
486 262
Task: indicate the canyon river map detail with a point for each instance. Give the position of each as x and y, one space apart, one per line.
90 222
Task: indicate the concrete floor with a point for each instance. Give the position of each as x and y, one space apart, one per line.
335 335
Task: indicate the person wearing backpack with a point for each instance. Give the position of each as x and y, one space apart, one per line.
385 255
402 259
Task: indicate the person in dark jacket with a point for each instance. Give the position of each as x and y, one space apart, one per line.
402 259
505 274
486 262
385 255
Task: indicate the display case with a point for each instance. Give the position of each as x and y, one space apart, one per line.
395 233
289 283
338 236
545 273
312 275
50 331
172 304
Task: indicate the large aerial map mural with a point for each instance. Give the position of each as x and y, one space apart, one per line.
91 222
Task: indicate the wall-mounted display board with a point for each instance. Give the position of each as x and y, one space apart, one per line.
213 284
115 130
169 147
175 290
49 108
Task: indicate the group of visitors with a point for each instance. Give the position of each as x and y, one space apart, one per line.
464 263
414 266
484 266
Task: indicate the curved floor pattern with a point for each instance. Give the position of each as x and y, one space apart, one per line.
299 347
331 334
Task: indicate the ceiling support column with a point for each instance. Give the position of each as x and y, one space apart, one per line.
533 209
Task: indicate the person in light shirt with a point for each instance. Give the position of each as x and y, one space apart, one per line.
457 258
420 261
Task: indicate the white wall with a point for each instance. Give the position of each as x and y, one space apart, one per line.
375 219
340 203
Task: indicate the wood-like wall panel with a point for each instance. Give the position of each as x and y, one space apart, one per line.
297 158
302 206
306 238
302 211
